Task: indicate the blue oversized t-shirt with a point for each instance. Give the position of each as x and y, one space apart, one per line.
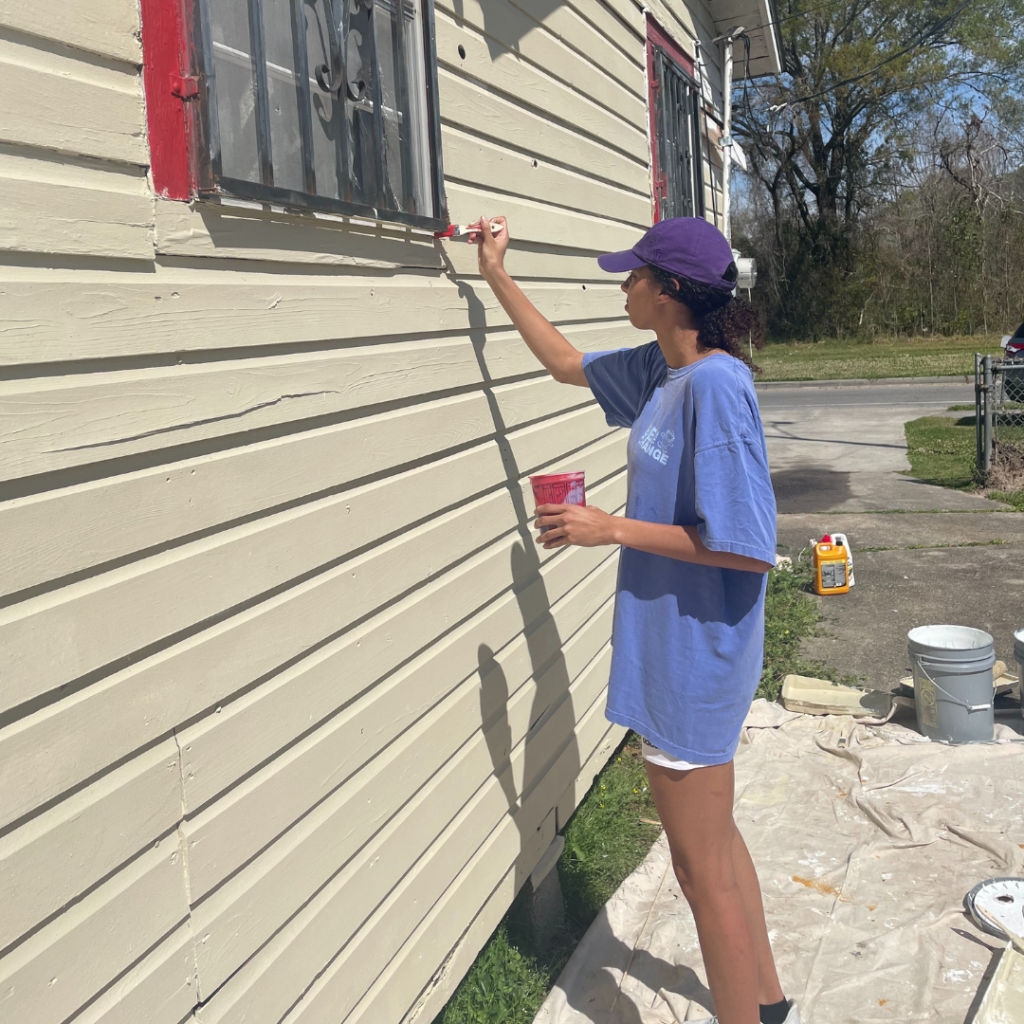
688 640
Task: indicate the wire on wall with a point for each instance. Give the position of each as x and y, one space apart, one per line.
699 63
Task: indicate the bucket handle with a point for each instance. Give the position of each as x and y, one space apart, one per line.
956 700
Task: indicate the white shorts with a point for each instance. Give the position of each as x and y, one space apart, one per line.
657 756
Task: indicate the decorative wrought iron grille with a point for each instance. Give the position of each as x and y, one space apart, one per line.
322 104
678 181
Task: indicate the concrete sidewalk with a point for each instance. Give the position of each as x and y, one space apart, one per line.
840 463
976 579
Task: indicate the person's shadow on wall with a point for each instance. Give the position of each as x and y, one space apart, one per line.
548 730
504 25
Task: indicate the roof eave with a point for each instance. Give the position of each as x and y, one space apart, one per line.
759 19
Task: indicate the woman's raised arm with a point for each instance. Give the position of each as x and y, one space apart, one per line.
547 343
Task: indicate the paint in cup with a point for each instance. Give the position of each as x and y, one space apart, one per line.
558 489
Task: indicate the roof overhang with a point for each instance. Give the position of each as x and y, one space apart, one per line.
760 20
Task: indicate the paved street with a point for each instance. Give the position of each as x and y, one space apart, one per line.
838 455
842 448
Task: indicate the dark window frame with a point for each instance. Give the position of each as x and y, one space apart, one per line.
177 53
672 82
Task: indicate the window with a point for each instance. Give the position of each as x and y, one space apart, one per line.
322 104
675 129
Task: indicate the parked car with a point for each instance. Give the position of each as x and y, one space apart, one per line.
1014 344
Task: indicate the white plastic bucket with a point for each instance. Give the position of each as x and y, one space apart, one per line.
1018 656
953 687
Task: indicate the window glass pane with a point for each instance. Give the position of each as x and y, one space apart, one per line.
343 141
393 96
283 90
326 107
308 118
402 74
361 84
236 95
419 142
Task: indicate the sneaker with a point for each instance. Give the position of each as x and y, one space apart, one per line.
793 1017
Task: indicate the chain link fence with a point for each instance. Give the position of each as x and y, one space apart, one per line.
999 420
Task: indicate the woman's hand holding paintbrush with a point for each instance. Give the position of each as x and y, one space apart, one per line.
562 360
491 245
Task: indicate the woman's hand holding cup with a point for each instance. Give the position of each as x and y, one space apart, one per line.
582 525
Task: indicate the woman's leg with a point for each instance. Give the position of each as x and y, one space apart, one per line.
718 879
769 990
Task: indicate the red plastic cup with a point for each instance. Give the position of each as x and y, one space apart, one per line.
558 489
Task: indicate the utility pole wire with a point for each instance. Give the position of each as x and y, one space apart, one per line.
922 38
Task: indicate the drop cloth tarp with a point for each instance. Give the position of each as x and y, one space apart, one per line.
866 839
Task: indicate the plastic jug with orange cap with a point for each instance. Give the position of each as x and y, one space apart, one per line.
831 574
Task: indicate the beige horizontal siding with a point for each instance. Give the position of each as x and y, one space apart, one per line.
51 207
578 55
244 233
312 937
264 894
471 105
45 755
268 802
64 315
503 69
109 28
411 971
484 164
90 834
69 106
292 702
159 988
54 971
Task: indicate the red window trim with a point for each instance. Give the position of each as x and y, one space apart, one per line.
168 88
657 36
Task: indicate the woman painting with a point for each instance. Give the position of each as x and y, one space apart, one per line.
696 542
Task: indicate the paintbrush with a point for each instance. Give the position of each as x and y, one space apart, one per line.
463 230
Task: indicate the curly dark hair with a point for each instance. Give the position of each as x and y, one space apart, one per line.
723 321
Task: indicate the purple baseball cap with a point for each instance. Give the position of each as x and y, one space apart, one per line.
688 246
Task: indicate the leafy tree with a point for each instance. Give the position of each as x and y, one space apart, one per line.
839 134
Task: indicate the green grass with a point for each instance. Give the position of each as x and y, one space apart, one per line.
791 614
873 358
503 987
942 451
1014 498
609 836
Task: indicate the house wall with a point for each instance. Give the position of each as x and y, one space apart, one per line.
291 702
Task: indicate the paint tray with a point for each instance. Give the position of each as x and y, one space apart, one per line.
809 696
